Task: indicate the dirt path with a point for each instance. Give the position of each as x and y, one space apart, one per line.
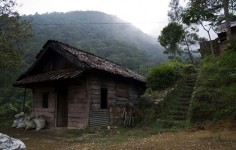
178 141
117 139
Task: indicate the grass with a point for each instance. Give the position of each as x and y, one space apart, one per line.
124 138
214 97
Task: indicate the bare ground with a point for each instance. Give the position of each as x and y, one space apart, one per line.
221 136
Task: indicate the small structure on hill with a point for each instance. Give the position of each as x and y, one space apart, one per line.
219 44
77 89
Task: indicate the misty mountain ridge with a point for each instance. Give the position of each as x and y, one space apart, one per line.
102 34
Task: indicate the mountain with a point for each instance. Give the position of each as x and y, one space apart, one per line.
102 34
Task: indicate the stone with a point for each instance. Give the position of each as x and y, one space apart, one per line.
8 143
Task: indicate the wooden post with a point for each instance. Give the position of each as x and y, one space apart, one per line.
23 105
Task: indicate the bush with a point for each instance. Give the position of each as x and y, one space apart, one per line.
167 74
214 97
148 111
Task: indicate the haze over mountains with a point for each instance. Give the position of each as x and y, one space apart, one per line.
102 34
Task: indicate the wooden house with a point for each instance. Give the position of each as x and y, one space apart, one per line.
220 43
76 89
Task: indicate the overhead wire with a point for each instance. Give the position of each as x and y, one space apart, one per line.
99 23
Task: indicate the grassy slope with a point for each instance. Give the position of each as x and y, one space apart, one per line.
215 94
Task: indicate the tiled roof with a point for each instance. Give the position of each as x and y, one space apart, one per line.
92 62
99 63
50 76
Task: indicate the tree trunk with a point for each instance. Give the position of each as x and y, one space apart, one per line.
227 19
190 55
209 35
212 49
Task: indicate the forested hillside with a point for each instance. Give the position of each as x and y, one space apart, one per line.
96 32
99 33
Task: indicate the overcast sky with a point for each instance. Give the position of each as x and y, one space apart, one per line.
148 15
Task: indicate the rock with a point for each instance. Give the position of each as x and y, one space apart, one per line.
8 143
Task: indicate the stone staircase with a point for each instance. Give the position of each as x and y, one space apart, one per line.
175 113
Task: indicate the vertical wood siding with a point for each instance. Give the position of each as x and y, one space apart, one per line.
118 96
37 103
77 106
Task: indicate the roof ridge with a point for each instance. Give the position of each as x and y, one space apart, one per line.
56 41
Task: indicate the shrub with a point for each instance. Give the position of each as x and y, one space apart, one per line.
148 111
167 74
214 97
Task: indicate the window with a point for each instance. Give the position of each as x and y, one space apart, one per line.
103 98
45 100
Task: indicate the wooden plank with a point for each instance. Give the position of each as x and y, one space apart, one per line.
124 99
77 100
81 114
77 125
76 109
109 98
121 90
77 95
95 92
95 87
77 119
95 96
38 105
46 114
122 94
111 91
37 109
77 105
95 107
121 86
96 102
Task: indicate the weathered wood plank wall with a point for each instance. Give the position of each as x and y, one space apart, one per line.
77 106
49 112
119 94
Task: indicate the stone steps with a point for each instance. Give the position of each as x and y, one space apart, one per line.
180 107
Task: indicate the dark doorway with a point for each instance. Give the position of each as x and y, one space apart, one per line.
103 98
62 107
45 100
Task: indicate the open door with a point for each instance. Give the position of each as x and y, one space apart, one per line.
62 107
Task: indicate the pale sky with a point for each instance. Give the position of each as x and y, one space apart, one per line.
148 15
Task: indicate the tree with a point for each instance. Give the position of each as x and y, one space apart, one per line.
175 16
175 11
14 33
227 18
170 37
200 11
209 11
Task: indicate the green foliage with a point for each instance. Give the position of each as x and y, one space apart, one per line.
199 11
167 74
148 111
214 97
121 43
14 33
11 98
98 33
171 36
